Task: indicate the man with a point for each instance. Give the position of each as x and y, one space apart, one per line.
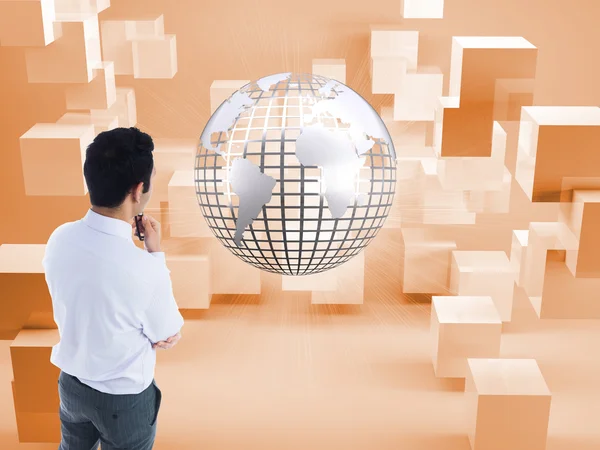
113 302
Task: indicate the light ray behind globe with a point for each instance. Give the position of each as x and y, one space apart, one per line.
295 173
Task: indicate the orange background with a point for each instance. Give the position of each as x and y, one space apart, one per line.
272 370
232 39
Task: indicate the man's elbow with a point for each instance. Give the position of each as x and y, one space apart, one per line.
167 333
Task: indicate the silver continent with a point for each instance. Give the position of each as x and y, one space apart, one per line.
295 173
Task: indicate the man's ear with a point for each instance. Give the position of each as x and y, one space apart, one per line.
137 192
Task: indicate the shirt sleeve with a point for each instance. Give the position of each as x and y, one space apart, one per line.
161 256
162 318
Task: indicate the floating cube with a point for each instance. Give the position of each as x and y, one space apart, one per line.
38 427
443 104
416 98
509 95
393 53
155 57
130 45
440 205
124 108
422 9
484 273
221 90
390 42
35 377
463 327
40 320
544 133
52 157
116 46
330 68
387 74
100 123
186 246
118 37
518 252
406 206
100 93
145 28
552 289
426 262
494 201
476 63
35 391
476 173
170 155
582 215
66 8
28 23
23 287
78 51
508 404
544 237
563 295
185 214
190 276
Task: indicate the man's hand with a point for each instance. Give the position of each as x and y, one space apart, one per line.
169 343
152 233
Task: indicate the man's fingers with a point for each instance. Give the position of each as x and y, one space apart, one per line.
154 224
168 343
162 344
175 337
149 219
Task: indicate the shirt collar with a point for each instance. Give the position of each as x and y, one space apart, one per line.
108 225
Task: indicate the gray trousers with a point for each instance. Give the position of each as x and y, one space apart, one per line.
89 417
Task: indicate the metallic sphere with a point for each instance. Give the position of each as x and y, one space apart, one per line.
295 173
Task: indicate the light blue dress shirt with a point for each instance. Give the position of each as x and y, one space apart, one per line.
111 301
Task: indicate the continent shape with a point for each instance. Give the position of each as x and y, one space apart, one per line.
254 190
224 118
349 107
265 83
337 156
327 87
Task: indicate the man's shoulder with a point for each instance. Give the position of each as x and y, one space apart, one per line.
65 229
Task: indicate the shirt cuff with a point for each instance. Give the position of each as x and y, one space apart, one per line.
159 255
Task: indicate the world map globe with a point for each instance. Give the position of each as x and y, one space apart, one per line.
295 174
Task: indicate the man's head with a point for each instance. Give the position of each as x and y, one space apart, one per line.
118 170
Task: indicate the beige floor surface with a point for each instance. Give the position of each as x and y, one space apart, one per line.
273 372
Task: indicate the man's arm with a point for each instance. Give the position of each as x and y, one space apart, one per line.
162 320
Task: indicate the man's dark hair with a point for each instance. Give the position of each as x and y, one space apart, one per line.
115 162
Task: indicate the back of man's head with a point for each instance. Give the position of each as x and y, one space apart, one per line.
116 161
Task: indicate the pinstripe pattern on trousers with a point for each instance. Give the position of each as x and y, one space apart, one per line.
118 422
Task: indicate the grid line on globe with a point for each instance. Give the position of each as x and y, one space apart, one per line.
295 232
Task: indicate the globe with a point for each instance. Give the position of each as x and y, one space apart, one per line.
295 173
